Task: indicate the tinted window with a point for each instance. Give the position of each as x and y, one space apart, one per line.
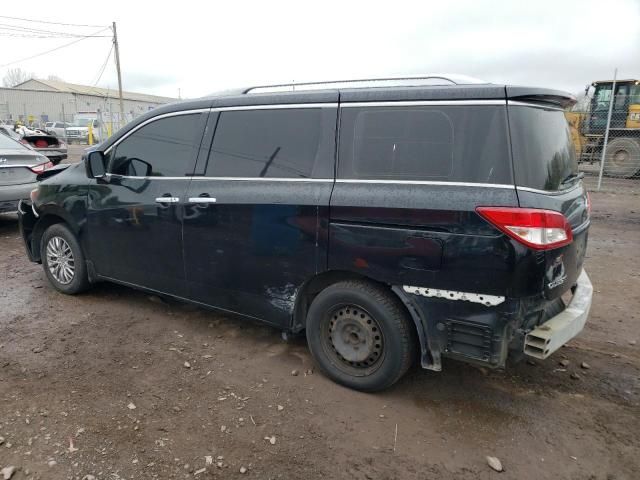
165 147
285 143
543 152
444 143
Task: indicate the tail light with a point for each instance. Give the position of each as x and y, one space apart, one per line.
535 228
588 203
40 143
41 167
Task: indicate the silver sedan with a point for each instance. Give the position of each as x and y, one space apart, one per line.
19 168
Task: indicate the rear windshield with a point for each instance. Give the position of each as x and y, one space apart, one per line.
8 142
543 152
429 143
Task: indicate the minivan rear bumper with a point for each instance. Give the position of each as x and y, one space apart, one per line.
486 334
545 339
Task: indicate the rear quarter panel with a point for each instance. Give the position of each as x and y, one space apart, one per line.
422 235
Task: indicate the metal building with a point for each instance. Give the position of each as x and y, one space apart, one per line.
38 101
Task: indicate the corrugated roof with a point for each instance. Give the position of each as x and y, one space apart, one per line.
95 91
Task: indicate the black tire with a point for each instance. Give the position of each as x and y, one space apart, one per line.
360 335
78 281
622 158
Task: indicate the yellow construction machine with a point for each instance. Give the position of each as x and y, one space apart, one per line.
622 155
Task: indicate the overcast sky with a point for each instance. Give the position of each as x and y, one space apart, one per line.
201 47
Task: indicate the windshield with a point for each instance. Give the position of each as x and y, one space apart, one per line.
543 151
81 122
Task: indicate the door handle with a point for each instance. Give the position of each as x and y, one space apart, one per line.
167 200
202 200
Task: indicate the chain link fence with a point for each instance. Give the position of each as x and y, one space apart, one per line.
606 133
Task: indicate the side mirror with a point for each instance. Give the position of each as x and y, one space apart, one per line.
95 165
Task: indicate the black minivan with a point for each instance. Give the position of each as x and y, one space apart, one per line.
390 223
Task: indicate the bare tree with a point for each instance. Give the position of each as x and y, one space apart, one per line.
15 76
55 78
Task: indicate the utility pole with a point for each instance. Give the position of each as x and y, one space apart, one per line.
117 52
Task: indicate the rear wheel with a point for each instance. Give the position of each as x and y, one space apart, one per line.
360 335
622 158
63 260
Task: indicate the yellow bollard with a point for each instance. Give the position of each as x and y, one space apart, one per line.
90 133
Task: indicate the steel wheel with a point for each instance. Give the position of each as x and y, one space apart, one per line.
60 260
353 339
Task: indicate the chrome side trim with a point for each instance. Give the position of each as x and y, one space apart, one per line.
262 179
233 179
407 103
487 300
153 119
550 192
278 106
329 180
534 105
428 182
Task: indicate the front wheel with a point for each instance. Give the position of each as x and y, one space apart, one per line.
360 335
63 260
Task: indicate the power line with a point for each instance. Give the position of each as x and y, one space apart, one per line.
104 65
37 31
51 23
19 34
53 49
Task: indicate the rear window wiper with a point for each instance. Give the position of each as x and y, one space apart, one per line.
572 177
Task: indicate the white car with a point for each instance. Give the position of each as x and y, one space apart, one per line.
58 128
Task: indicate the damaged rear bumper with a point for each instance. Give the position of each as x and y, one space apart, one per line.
545 339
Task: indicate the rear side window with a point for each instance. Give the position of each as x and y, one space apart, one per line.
543 151
162 148
277 143
429 143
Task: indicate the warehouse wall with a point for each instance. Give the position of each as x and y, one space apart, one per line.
41 106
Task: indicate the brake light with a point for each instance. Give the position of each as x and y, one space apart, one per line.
41 167
535 228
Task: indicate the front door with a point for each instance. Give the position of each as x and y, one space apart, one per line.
135 214
255 227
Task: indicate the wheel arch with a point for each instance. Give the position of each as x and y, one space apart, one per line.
46 219
311 288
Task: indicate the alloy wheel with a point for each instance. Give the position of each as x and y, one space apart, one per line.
60 260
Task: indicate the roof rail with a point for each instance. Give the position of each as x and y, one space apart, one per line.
453 79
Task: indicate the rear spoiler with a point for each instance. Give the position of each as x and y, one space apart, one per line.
50 172
542 96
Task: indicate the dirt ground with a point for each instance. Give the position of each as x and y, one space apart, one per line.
116 384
